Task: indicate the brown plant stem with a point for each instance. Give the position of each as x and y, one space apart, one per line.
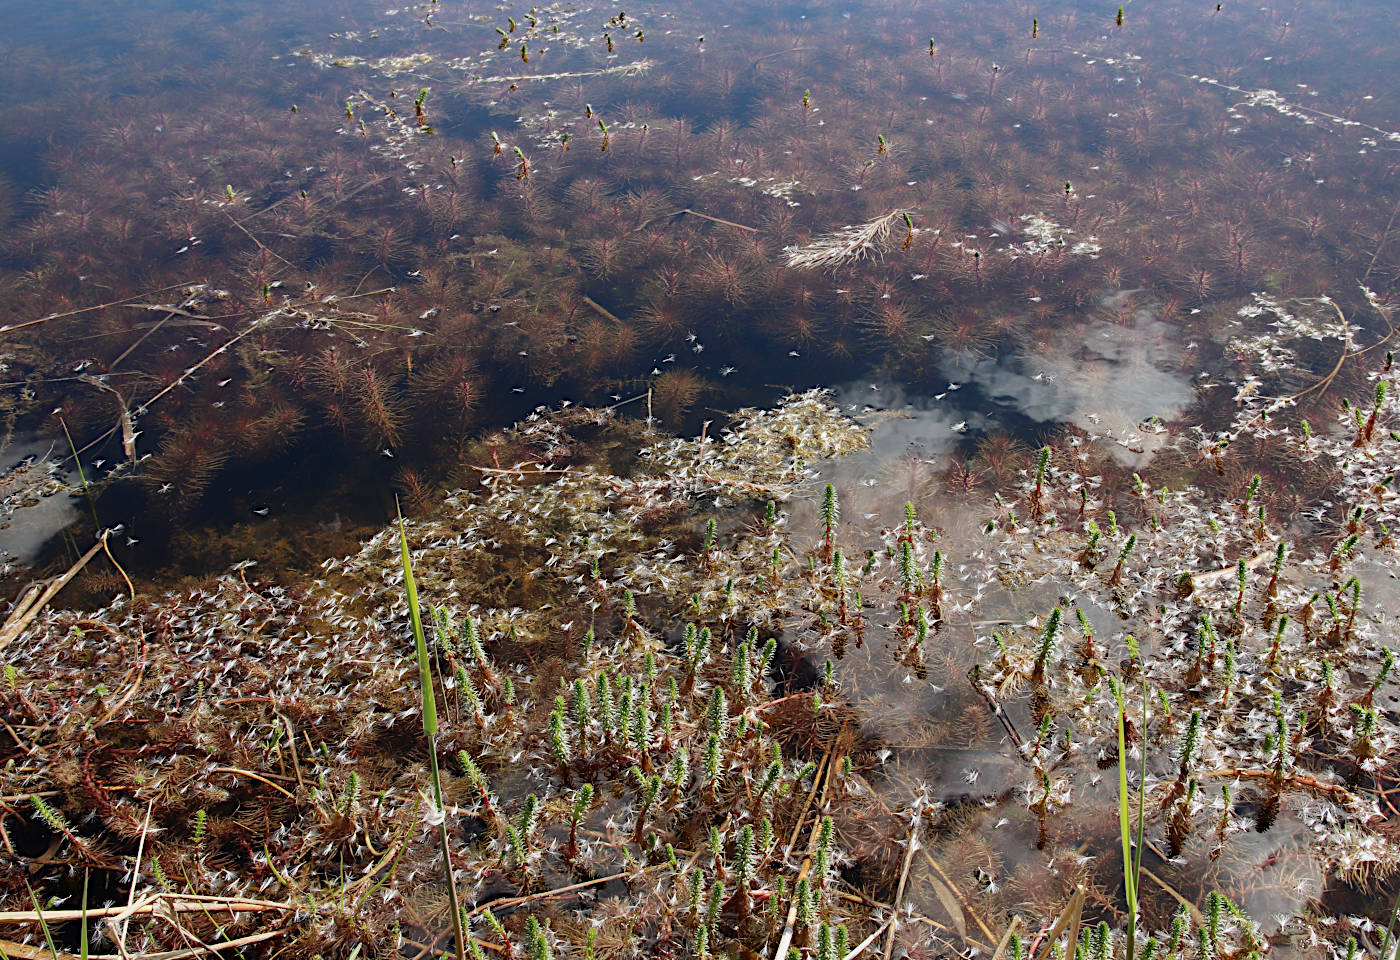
98 306
820 784
910 846
34 601
179 903
1299 780
256 776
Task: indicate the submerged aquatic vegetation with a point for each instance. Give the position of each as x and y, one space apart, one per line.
702 703
530 228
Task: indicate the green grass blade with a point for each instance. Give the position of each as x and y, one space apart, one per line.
1125 818
430 728
425 673
83 932
43 924
1141 821
77 462
1390 930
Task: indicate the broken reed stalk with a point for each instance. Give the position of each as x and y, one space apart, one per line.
1012 928
916 917
118 928
948 885
175 902
861 947
913 844
429 707
818 787
1069 916
97 306
952 888
34 601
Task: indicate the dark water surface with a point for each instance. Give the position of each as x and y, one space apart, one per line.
324 293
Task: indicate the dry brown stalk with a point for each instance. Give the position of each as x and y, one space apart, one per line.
807 805
966 907
548 894
26 952
254 326
292 748
601 309
1011 928
952 900
864 944
790 923
1196 916
915 917
1068 916
1224 573
34 601
910 846
256 776
29 751
214 948
1302 781
98 306
118 930
727 223
179 903
255 240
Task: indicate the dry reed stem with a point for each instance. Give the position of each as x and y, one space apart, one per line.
546 894
29 751
99 306
1011 928
861 947
195 951
957 908
256 776
119 935
1211 577
179 903
1070 914
182 903
917 918
26 952
292 748
23 614
789 925
124 413
966 907
1196 916
257 241
1078 903
727 223
1326 382
254 326
817 781
1000 714
1299 780
601 309
912 844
